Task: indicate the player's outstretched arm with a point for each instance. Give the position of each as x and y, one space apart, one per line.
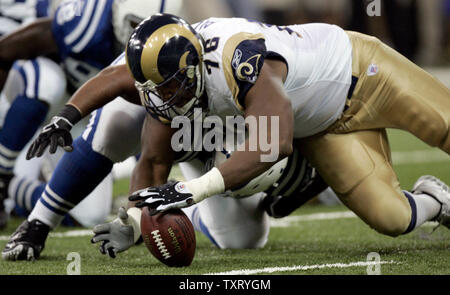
110 83
157 156
265 98
33 40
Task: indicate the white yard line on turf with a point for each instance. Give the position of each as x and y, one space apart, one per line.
290 220
419 157
298 268
295 219
73 233
66 234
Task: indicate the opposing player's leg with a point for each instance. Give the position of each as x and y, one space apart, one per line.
112 135
393 92
31 88
30 180
228 222
358 167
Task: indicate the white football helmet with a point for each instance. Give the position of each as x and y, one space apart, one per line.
126 14
258 184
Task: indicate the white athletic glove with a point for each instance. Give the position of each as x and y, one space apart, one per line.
120 234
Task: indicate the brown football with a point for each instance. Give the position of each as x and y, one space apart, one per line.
169 236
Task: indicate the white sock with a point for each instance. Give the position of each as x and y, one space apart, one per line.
45 215
427 208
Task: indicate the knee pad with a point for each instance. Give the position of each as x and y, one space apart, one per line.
392 227
385 210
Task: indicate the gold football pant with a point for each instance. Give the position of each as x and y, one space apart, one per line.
353 156
392 92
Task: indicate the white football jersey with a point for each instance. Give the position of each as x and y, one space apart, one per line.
318 58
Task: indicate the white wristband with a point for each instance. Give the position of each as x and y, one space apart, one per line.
208 185
134 219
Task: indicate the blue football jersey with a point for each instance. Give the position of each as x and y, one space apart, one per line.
84 34
14 13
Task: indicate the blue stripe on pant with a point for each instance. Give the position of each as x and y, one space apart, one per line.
412 203
36 78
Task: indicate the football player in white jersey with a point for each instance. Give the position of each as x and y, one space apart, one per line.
85 36
226 231
97 149
251 71
242 223
334 92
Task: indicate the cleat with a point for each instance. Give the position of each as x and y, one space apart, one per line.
439 191
27 242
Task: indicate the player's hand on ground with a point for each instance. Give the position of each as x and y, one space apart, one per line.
54 134
168 196
116 236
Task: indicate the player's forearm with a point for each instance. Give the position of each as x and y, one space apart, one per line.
35 39
242 167
245 165
110 83
146 174
155 162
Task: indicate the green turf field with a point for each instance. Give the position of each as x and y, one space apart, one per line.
305 243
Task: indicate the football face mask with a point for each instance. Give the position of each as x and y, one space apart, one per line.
173 97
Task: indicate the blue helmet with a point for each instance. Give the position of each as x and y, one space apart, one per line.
164 50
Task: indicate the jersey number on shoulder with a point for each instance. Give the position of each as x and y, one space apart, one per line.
68 11
211 45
